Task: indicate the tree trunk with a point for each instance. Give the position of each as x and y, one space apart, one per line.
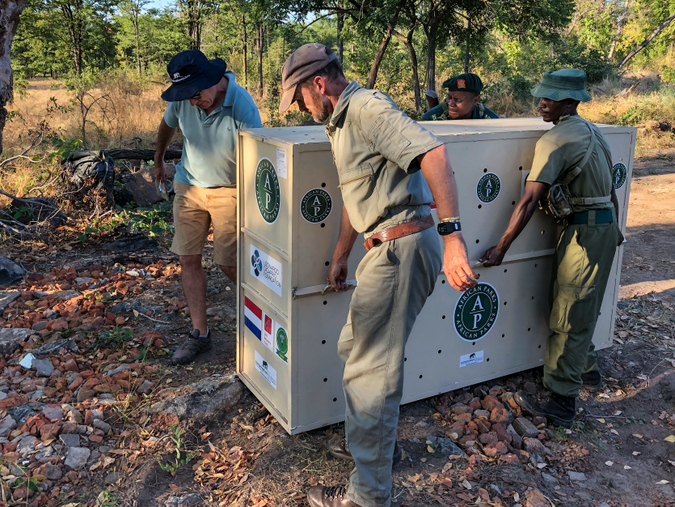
340 44
657 31
245 51
259 51
408 43
10 11
375 67
619 29
432 38
138 45
467 53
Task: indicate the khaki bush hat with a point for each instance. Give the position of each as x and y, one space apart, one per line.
563 84
305 61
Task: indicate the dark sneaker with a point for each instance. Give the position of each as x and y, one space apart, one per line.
560 410
335 496
194 345
592 380
341 450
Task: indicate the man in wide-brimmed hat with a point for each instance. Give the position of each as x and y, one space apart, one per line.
463 101
209 107
572 157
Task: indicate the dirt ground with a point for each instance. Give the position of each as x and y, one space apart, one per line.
246 459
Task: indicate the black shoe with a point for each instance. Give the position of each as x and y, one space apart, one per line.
335 496
560 410
592 380
341 450
194 345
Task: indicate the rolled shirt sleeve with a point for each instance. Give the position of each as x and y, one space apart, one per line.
394 135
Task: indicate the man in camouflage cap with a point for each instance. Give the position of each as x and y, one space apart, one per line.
575 153
384 161
463 102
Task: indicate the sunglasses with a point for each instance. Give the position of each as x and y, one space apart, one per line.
196 96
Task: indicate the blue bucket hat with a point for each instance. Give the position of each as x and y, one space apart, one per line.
563 84
191 72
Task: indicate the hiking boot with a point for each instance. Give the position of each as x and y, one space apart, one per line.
341 450
335 496
560 410
592 380
194 345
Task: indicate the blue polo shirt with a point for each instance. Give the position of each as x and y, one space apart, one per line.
210 141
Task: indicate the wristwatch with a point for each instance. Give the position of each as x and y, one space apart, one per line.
449 225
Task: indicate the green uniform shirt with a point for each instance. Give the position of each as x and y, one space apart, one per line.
375 148
562 148
210 141
440 112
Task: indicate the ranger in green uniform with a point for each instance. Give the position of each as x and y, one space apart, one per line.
574 153
463 102
384 161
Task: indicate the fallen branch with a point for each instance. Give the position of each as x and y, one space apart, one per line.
154 320
118 154
36 142
30 201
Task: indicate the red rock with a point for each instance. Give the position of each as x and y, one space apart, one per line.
69 427
523 456
471 427
502 434
510 458
9 447
534 446
96 438
496 391
490 403
76 383
50 430
72 476
98 322
464 418
57 325
475 459
467 441
475 403
538 421
89 416
483 426
488 438
84 394
494 449
499 415
70 365
89 384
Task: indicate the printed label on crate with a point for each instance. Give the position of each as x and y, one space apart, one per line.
476 311
266 269
281 343
268 332
469 359
268 373
620 173
488 187
253 317
267 191
316 205
281 163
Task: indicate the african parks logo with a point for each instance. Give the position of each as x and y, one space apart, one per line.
316 205
488 187
476 311
619 173
267 191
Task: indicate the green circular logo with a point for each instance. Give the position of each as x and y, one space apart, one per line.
267 191
282 344
619 173
316 205
488 187
476 311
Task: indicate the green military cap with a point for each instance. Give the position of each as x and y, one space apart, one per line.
467 82
563 84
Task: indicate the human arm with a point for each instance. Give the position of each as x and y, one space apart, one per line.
164 136
615 202
437 171
337 272
525 208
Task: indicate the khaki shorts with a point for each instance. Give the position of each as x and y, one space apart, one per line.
194 208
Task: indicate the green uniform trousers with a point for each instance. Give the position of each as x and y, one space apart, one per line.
394 280
583 261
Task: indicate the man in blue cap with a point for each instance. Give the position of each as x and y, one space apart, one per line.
463 101
571 160
209 107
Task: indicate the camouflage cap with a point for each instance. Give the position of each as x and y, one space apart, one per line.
305 61
467 82
563 84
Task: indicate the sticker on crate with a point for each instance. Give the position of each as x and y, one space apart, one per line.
268 332
316 205
267 191
281 343
473 358
282 170
266 269
476 312
619 174
488 187
253 317
264 368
